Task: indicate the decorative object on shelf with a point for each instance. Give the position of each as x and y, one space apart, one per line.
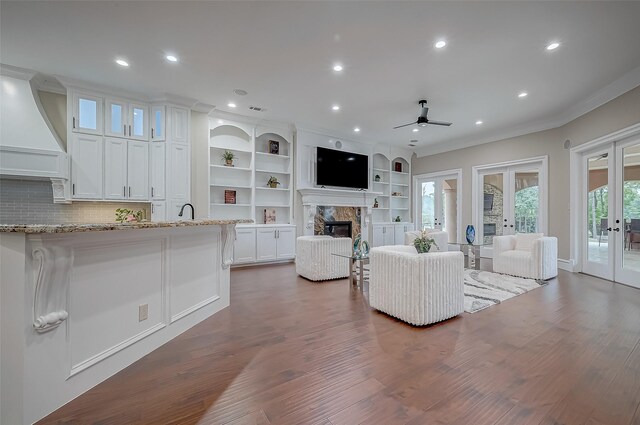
377 178
269 216
397 219
356 244
470 234
228 158
273 182
274 147
396 194
229 196
360 247
397 166
423 243
375 203
129 216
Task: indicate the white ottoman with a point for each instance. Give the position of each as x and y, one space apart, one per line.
416 288
314 260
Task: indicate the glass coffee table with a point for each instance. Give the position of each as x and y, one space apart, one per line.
474 248
361 262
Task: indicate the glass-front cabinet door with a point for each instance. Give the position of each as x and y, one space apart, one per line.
116 118
138 122
157 123
87 114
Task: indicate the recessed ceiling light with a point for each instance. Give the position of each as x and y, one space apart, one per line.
415 130
479 122
231 105
171 58
553 46
122 62
335 107
357 129
440 44
337 67
523 94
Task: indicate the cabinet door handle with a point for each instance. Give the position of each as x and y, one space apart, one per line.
129 191
74 122
124 191
124 131
129 129
73 189
152 132
152 208
152 191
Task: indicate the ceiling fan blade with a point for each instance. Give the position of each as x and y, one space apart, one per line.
446 124
425 111
405 125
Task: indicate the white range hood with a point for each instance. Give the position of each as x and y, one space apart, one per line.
29 147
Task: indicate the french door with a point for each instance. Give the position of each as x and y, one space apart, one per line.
438 197
509 199
611 212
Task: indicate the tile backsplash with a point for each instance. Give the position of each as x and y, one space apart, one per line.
31 202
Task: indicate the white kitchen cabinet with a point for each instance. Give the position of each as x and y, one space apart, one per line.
266 244
244 246
137 170
158 211
400 230
115 168
86 166
86 116
126 119
158 165
385 234
158 125
179 125
115 117
180 172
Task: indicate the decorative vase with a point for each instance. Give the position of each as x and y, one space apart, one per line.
273 185
356 244
364 248
471 234
229 162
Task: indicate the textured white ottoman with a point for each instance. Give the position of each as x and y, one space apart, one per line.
314 260
416 288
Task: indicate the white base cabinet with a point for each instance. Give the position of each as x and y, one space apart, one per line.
263 244
389 233
158 211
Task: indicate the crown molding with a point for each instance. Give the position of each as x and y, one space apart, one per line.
617 88
17 72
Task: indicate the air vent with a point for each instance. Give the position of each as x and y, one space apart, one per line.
257 108
240 92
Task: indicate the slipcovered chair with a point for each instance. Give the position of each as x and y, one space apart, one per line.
530 255
416 288
440 236
314 260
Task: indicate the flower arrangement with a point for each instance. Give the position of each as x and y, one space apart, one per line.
228 157
273 182
423 242
130 216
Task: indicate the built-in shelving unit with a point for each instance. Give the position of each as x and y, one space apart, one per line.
381 169
255 163
400 201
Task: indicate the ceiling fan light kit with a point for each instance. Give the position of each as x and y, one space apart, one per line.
423 119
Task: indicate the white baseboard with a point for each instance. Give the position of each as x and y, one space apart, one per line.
567 265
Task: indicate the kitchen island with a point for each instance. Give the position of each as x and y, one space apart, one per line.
80 302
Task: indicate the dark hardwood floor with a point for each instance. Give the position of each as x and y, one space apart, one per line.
289 351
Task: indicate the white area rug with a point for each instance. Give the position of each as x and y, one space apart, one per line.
484 289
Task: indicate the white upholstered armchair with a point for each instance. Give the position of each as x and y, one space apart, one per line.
530 255
439 236
416 288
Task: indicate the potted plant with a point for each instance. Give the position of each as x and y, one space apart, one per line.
398 219
228 158
423 243
273 182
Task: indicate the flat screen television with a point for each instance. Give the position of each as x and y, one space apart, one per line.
342 169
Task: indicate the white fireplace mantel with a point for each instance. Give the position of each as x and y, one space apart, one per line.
338 197
314 197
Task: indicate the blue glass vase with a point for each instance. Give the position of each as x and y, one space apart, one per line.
471 234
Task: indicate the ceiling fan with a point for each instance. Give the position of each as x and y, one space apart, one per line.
423 120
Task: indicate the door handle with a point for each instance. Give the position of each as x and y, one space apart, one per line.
609 229
617 229
505 225
511 225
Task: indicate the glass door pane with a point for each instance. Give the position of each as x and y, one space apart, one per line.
597 219
630 228
526 207
493 218
450 208
428 190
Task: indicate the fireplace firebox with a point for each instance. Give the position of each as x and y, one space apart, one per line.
338 229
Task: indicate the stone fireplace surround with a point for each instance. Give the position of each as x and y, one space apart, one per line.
345 204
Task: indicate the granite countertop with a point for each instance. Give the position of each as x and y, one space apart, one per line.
100 227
